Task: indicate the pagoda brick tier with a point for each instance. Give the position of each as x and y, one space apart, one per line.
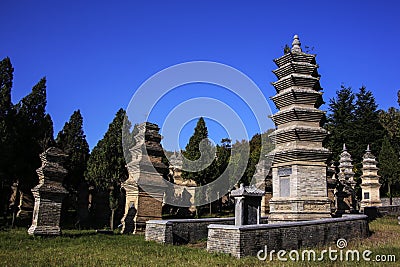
298 160
145 186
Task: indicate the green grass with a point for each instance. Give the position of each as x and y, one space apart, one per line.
85 248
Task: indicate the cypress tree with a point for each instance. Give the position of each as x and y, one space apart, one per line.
106 165
34 133
72 140
7 133
200 152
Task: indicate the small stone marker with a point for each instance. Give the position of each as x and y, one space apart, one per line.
49 193
247 205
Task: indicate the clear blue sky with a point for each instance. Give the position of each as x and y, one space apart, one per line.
95 54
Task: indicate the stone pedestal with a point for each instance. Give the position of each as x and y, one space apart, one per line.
247 205
370 182
145 187
49 194
298 160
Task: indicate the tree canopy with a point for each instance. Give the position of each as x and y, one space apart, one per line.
72 140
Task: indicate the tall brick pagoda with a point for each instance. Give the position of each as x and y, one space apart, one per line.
145 186
298 160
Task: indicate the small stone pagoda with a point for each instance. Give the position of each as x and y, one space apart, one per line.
298 160
145 186
49 193
345 193
370 181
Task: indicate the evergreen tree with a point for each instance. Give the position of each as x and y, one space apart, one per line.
7 133
367 127
72 140
106 165
390 120
340 121
200 152
34 130
200 163
389 166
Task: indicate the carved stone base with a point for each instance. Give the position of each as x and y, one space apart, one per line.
284 210
139 208
44 230
366 203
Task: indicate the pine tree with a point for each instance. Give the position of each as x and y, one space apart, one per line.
106 165
367 127
389 166
340 121
72 140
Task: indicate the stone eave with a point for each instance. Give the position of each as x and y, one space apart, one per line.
299 154
296 57
297 80
298 133
297 67
297 114
296 95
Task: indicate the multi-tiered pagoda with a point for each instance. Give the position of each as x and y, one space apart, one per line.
370 181
145 186
299 160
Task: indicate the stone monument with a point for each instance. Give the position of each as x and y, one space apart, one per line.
370 182
247 205
49 193
145 186
298 160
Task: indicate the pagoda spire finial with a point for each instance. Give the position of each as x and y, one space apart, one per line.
344 147
368 150
296 44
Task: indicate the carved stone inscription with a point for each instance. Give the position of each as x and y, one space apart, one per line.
284 187
286 171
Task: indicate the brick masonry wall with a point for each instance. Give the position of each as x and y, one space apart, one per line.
386 201
183 231
240 241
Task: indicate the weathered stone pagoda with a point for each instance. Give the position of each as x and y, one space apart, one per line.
299 160
145 186
370 181
345 191
49 193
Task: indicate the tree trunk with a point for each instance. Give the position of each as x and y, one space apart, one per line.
112 219
390 194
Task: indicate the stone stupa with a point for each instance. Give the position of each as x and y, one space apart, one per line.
298 160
